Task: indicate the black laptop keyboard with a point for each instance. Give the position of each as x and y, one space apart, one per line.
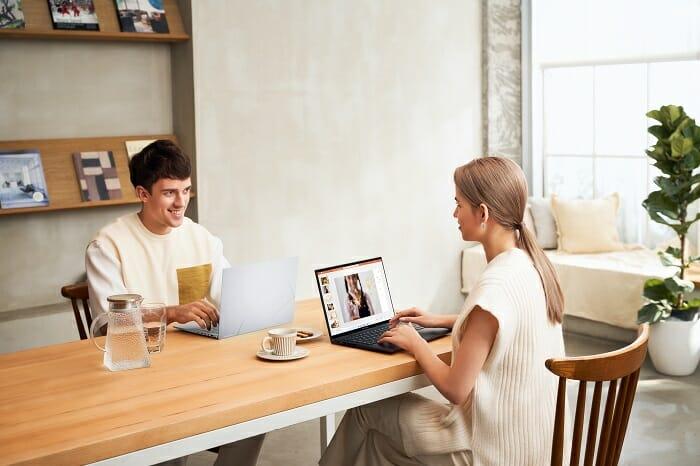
369 336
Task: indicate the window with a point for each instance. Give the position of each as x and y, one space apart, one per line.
593 80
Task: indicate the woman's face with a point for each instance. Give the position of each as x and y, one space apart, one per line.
353 282
468 218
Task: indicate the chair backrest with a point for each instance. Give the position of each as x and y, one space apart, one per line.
621 369
79 292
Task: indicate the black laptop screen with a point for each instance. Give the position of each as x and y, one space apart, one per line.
354 295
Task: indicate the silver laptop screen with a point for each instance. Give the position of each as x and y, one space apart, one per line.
355 295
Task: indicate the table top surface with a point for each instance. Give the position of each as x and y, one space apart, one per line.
60 405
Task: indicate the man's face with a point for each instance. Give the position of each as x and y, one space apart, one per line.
164 207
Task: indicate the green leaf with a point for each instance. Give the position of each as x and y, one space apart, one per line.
668 260
653 312
655 289
659 131
691 160
677 285
674 112
680 146
658 116
658 202
675 252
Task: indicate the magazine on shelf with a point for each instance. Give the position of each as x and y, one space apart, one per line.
142 16
97 176
134 147
74 14
22 182
11 15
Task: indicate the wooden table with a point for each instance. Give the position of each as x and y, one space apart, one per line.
61 406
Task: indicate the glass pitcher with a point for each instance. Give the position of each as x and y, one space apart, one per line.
125 346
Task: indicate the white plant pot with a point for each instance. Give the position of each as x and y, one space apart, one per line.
674 346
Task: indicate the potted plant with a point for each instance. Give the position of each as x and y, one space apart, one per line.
674 341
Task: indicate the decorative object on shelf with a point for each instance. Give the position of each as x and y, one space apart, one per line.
142 16
11 15
74 14
674 342
22 182
134 147
97 174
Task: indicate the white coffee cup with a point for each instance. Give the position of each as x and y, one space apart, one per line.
280 342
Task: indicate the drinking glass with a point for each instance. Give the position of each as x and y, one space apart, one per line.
154 324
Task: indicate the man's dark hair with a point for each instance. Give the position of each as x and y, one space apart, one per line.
159 159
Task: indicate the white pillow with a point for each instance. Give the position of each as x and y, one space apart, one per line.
545 226
587 225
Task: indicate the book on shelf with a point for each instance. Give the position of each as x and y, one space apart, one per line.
74 14
97 176
134 147
142 16
11 15
22 182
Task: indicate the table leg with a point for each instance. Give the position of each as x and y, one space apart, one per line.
327 430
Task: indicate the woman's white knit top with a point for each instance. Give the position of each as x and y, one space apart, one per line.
510 417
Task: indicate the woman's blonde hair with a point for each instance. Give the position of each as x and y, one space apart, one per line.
500 184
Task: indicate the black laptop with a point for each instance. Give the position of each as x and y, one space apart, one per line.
358 307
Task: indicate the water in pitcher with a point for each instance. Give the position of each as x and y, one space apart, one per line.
154 332
125 349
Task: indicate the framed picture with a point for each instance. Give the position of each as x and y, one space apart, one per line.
22 182
11 15
74 14
142 16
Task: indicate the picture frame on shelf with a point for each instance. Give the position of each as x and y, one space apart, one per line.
22 181
74 14
143 16
11 14
97 175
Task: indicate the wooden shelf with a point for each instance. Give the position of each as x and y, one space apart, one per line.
61 181
38 25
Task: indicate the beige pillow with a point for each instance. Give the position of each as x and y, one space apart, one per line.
587 225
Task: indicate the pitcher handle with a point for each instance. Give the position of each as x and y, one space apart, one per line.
92 330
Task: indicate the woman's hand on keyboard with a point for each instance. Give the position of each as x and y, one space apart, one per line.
422 318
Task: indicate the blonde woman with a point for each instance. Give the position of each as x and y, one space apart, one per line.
502 399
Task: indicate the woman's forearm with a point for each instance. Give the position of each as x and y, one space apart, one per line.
448 320
437 372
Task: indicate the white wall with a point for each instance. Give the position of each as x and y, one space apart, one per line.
303 107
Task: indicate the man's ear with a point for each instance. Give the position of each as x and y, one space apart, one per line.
143 194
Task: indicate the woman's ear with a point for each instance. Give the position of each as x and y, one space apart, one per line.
484 212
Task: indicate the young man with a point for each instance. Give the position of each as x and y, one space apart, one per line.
163 256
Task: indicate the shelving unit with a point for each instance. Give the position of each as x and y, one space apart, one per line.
61 181
38 25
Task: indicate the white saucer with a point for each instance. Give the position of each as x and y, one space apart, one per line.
298 354
314 334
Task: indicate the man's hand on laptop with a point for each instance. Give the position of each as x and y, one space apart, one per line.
202 312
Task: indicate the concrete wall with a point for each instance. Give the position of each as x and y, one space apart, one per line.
330 130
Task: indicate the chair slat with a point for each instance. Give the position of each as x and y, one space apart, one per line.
607 424
558 438
617 419
593 425
631 389
79 291
578 424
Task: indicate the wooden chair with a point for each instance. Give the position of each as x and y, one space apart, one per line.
79 292
621 369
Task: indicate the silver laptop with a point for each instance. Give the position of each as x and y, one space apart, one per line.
253 297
